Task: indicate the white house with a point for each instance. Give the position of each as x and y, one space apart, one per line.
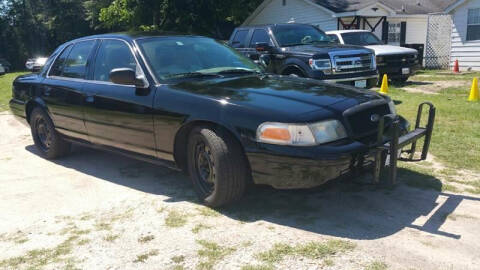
422 24
465 45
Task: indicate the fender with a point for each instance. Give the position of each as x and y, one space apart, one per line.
33 102
297 63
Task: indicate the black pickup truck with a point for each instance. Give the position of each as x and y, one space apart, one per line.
303 50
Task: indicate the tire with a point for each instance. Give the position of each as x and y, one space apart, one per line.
400 81
217 166
47 140
295 73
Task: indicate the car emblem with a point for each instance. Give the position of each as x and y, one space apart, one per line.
374 117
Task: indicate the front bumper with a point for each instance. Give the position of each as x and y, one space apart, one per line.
17 108
395 71
290 167
344 77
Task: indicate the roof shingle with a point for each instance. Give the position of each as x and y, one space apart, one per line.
400 6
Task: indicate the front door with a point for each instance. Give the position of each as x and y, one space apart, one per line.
118 115
62 89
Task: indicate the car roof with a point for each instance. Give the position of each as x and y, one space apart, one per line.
130 36
346 31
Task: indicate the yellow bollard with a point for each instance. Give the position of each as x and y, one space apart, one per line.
474 90
384 88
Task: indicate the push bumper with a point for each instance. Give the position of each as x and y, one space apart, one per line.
286 167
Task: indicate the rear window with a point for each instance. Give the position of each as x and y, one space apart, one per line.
239 39
294 35
260 36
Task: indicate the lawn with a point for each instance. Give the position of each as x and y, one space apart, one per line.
456 137
6 88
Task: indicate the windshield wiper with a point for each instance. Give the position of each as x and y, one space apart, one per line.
237 71
191 75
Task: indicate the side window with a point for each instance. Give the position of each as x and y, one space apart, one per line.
260 36
57 67
334 38
112 54
76 63
473 24
239 39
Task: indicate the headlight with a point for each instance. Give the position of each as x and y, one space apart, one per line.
301 135
321 64
391 105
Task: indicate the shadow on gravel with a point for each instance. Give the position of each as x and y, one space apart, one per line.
340 208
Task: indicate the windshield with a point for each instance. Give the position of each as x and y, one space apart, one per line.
176 57
361 38
292 35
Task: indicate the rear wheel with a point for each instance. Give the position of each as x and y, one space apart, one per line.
217 166
47 140
400 81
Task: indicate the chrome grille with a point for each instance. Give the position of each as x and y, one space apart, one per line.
352 63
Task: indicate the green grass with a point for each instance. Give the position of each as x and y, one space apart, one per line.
175 219
376 265
6 88
443 75
211 253
145 239
311 250
456 136
39 258
144 257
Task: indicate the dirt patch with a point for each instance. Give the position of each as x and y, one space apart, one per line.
96 210
432 87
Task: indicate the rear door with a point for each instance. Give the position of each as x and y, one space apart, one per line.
62 89
239 40
118 115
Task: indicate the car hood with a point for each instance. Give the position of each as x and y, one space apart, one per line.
281 94
389 50
325 49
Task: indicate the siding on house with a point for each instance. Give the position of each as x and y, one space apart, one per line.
466 52
416 28
298 10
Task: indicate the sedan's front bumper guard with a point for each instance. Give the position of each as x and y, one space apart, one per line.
397 142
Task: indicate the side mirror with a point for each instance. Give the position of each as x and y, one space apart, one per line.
126 76
264 60
263 47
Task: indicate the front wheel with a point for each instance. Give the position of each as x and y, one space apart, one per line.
47 140
217 166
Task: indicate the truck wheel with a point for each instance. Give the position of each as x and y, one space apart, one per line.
47 140
400 81
217 166
294 73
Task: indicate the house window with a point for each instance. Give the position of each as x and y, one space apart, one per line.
473 25
394 32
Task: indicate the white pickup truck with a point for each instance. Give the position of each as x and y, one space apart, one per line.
398 63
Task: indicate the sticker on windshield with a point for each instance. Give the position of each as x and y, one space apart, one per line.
179 43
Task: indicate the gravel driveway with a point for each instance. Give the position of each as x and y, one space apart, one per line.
97 210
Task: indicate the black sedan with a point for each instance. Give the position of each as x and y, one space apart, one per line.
195 104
